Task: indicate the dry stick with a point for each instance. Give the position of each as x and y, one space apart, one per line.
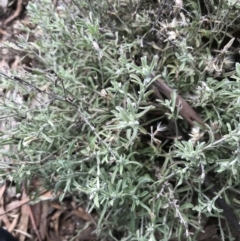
186 111
190 115
16 13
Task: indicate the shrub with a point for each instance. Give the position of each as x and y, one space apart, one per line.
85 121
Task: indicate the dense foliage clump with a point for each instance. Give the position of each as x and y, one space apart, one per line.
89 123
